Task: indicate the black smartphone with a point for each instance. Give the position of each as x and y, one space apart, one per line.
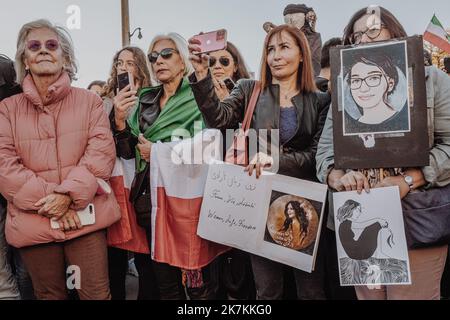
123 80
229 84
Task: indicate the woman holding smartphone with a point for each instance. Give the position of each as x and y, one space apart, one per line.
427 264
129 73
236 276
289 102
227 68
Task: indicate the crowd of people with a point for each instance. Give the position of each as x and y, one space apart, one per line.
60 144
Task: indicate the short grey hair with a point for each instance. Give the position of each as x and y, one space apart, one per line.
65 41
182 47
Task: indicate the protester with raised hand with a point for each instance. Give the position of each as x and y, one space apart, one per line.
8 285
160 111
289 101
126 235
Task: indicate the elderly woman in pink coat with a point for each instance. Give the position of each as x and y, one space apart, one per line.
56 149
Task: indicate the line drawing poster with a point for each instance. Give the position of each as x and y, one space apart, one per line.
370 236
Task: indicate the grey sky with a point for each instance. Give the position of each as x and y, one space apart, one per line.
99 37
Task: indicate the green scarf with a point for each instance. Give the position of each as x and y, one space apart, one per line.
180 112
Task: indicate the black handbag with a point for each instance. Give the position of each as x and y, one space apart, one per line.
427 218
140 197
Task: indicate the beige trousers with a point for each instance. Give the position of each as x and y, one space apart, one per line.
427 266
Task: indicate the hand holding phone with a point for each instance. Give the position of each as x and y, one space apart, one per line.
125 79
212 41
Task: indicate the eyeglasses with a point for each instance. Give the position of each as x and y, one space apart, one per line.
371 33
224 61
371 81
35 45
127 65
165 54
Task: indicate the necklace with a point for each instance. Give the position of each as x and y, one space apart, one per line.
290 95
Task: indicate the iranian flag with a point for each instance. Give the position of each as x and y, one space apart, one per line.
436 35
126 234
178 173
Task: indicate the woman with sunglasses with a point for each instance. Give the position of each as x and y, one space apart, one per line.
55 147
127 236
426 265
161 110
236 276
289 102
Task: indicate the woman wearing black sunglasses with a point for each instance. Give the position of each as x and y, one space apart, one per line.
160 111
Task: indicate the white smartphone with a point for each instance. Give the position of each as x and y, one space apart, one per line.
86 216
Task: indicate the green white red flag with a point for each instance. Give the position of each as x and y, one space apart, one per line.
436 35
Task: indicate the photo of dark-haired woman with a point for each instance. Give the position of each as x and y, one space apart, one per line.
292 223
375 89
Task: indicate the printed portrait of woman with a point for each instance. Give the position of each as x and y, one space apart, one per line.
375 90
292 223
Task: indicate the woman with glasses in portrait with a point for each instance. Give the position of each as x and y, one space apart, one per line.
127 237
158 112
371 80
427 265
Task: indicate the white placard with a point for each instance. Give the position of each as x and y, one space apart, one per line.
276 217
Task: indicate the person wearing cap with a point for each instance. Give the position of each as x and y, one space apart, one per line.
304 18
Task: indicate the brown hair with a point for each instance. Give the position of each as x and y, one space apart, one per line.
305 79
387 19
99 83
241 72
143 75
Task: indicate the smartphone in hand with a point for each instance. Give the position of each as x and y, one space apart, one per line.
212 41
124 80
86 216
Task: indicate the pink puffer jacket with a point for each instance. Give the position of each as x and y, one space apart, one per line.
61 146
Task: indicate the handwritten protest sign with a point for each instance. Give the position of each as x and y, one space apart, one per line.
276 217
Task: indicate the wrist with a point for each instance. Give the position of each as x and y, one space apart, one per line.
120 124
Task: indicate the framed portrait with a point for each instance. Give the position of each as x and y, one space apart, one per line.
379 105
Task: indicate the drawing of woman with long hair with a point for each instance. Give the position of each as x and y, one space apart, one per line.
362 241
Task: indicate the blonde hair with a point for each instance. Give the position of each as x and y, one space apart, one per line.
65 42
182 47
